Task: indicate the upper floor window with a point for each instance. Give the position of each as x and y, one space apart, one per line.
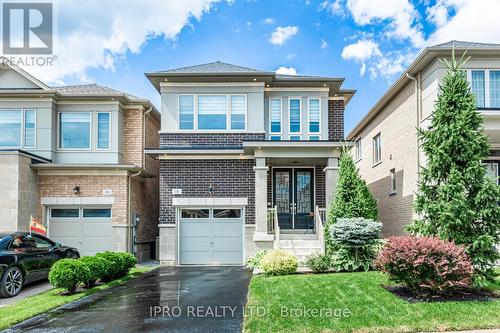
74 130
393 181
358 149
212 112
314 137
17 128
295 137
186 112
103 130
275 115
294 115
485 84
377 149
314 115
275 137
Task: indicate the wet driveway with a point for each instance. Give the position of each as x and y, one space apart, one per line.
168 299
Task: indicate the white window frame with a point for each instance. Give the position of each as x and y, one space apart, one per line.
309 115
91 130
271 133
195 116
23 127
487 97
97 130
228 114
377 162
290 133
358 149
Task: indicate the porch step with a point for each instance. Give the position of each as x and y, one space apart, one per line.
301 248
287 236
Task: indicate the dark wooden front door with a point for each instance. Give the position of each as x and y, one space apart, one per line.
293 195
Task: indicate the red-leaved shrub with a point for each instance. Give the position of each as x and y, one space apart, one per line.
426 264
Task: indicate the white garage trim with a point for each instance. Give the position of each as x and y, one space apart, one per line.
58 201
206 202
210 207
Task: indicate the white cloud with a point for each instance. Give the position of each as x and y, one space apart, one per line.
324 44
400 14
281 34
361 50
268 20
96 33
291 56
335 7
248 24
286 70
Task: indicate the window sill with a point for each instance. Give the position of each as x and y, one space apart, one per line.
378 163
392 193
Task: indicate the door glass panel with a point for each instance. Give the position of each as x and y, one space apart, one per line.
195 213
303 200
65 212
227 213
97 212
282 191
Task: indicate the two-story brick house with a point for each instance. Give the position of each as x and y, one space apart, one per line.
387 150
248 160
74 157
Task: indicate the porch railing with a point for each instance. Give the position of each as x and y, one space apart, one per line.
319 216
272 224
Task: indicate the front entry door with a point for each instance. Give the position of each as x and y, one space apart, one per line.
293 195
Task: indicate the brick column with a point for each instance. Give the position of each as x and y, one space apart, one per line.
331 174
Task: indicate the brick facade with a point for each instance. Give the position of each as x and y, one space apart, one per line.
208 139
229 178
336 110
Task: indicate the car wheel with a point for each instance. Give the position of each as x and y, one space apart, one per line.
12 282
73 255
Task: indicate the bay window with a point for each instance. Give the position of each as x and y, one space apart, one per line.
237 108
294 115
314 115
485 85
74 130
212 112
17 128
186 112
494 89
103 130
478 85
275 115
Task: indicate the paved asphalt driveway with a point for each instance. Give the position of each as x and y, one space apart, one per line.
168 299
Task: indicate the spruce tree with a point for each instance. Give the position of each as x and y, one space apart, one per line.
352 196
456 200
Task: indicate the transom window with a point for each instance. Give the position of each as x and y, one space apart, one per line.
485 84
74 130
294 115
212 112
314 115
275 115
377 149
17 128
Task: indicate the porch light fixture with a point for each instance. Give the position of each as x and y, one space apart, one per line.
166 79
76 190
324 85
254 79
211 189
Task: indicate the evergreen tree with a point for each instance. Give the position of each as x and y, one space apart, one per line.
352 196
456 200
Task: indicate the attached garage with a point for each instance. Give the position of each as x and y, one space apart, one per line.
211 236
86 228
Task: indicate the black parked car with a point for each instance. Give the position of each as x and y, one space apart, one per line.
25 258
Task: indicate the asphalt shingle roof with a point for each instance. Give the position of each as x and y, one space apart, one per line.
465 44
211 68
91 89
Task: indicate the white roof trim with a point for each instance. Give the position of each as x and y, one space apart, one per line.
5 61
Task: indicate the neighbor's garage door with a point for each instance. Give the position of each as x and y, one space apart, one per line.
211 236
86 228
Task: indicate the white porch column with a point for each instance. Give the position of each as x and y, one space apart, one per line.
331 174
260 169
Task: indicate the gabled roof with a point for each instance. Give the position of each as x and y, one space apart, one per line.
5 62
216 67
424 59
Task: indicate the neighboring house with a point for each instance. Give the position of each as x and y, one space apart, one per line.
387 151
236 142
74 157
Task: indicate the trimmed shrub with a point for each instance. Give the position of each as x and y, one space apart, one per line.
319 263
68 274
114 265
97 269
128 261
357 242
254 262
426 264
279 262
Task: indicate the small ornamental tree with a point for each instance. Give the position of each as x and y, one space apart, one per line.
456 200
352 197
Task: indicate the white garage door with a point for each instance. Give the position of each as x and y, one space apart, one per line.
86 228
211 236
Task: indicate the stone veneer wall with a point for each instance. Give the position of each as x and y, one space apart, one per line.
208 139
336 120
229 178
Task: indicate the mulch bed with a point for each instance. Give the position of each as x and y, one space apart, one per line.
462 296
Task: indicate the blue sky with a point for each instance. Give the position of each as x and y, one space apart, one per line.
368 42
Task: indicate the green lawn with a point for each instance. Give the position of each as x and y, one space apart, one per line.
370 307
34 305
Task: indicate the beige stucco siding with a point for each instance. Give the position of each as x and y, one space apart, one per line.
397 124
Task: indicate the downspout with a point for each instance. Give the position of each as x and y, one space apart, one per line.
144 135
130 224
